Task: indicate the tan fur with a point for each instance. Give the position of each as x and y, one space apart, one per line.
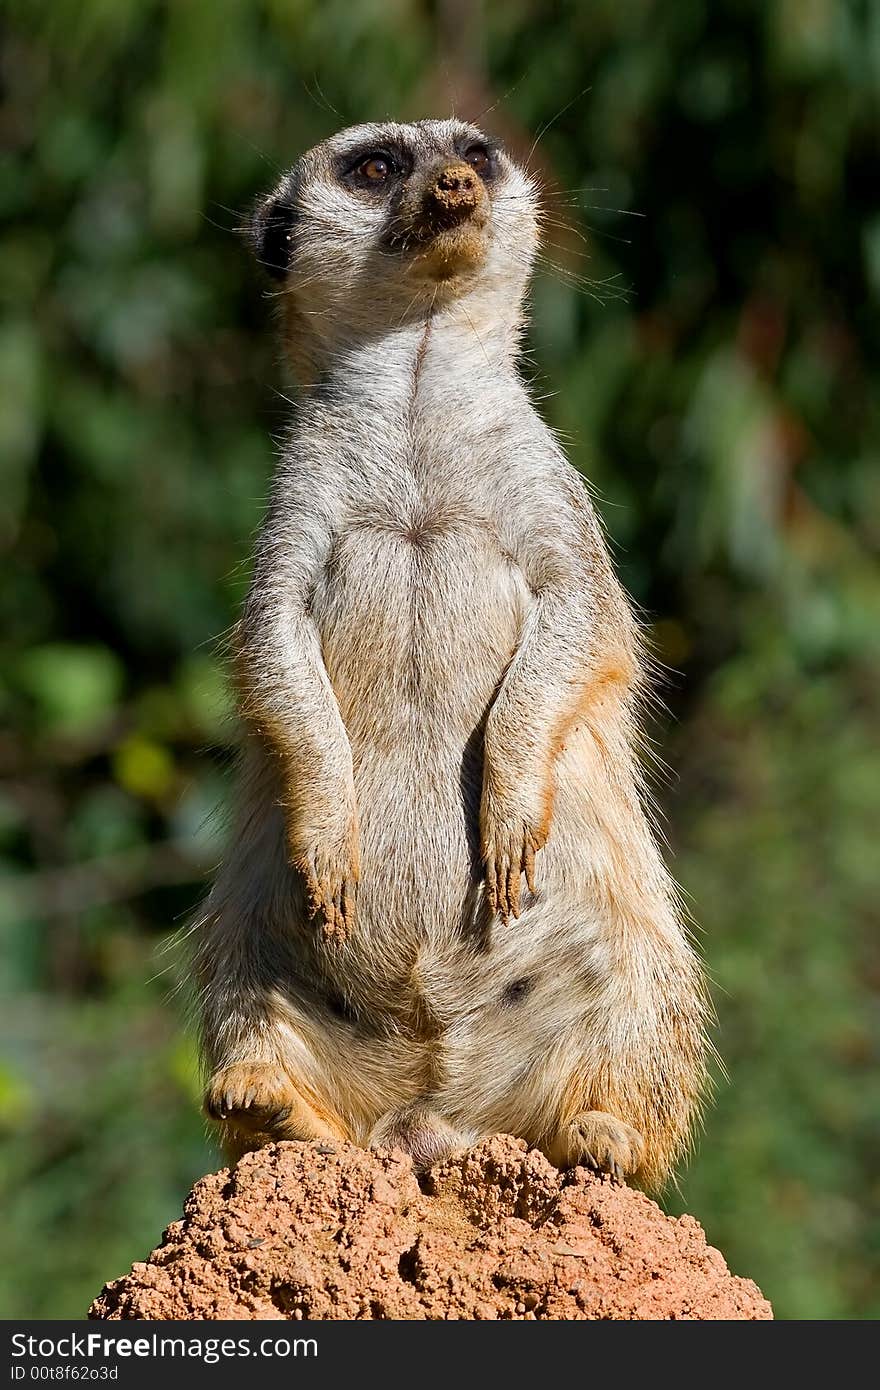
443 912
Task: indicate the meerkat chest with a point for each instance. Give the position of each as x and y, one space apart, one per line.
419 608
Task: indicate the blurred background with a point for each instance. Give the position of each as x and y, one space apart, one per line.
705 337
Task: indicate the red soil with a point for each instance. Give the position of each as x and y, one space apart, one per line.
327 1230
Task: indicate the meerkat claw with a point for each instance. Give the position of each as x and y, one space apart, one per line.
529 867
504 872
333 900
252 1096
599 1141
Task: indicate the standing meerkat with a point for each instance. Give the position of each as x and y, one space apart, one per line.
443 912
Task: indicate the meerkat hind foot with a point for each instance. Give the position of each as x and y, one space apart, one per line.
260 1098
598 1140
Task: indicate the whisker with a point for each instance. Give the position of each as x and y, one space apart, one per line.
544 129
475 333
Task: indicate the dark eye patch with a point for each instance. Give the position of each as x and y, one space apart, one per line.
513 993
481 154
350 168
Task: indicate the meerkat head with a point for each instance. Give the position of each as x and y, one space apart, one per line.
388 221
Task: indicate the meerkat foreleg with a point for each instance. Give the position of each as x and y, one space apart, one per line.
288 699
544 685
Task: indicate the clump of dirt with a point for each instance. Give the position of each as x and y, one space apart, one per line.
328 1230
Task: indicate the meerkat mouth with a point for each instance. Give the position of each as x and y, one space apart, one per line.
450 254
443 229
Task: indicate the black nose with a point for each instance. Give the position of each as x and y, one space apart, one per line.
457 179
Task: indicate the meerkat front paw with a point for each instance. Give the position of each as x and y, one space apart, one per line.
514 825
330 865
599 1141
509 849
508 855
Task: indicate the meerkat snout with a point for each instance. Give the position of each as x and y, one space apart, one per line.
446 217
442 218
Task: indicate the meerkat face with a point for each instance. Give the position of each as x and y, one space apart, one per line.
391 217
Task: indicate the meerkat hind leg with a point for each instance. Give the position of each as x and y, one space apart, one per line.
598 1140
259 1101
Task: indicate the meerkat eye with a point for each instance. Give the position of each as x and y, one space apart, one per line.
477 156
377 168
374 171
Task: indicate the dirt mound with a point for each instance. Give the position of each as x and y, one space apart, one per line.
325 1230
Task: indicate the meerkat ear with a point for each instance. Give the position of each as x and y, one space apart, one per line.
270 231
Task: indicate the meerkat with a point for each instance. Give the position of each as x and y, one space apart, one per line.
443 912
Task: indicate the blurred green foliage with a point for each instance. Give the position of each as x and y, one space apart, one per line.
713 361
